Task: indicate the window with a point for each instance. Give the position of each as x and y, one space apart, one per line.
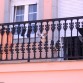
32 14
25 13
19 13
18 16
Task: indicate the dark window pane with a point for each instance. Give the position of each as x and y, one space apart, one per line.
32 8
32 16
20 10
19 18
35 8
19 13
32 12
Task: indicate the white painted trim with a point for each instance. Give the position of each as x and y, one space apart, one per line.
26 4
23 2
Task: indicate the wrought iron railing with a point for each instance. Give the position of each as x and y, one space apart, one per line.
58 39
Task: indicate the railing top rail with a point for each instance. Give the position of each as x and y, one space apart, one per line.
43 20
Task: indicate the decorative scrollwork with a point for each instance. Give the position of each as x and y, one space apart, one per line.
23 31
29 30
59 26
65 26
71 25
53 27
77 24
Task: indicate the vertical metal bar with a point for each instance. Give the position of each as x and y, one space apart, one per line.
13 32
28 44
17 46
40 43
52 41
71 42
2 33
59 28
23 47
65 41
34 44
29 50
46 43
77 41
1 44
6 47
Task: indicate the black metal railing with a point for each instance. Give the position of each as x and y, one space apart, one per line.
58 39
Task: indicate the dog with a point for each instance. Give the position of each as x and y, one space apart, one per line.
42 37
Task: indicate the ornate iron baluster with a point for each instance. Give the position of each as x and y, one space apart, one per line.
13 32
40 43
34 44
77 25
58 42
71 40
28 45
6 46
52 41
65 26
23 44
2 33
1 44
17 45
46 43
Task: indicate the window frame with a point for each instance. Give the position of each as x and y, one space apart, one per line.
31 13
15 15
26 10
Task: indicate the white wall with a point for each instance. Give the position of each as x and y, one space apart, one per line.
70 8
54 8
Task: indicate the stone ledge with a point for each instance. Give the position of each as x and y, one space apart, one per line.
43 66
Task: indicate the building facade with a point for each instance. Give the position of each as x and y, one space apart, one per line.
20 42
46 9
42 9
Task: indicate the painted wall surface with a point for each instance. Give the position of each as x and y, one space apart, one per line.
51 72
7 11
47 9
54 8
70 8
2 10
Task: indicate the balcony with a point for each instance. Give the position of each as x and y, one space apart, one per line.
42 40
